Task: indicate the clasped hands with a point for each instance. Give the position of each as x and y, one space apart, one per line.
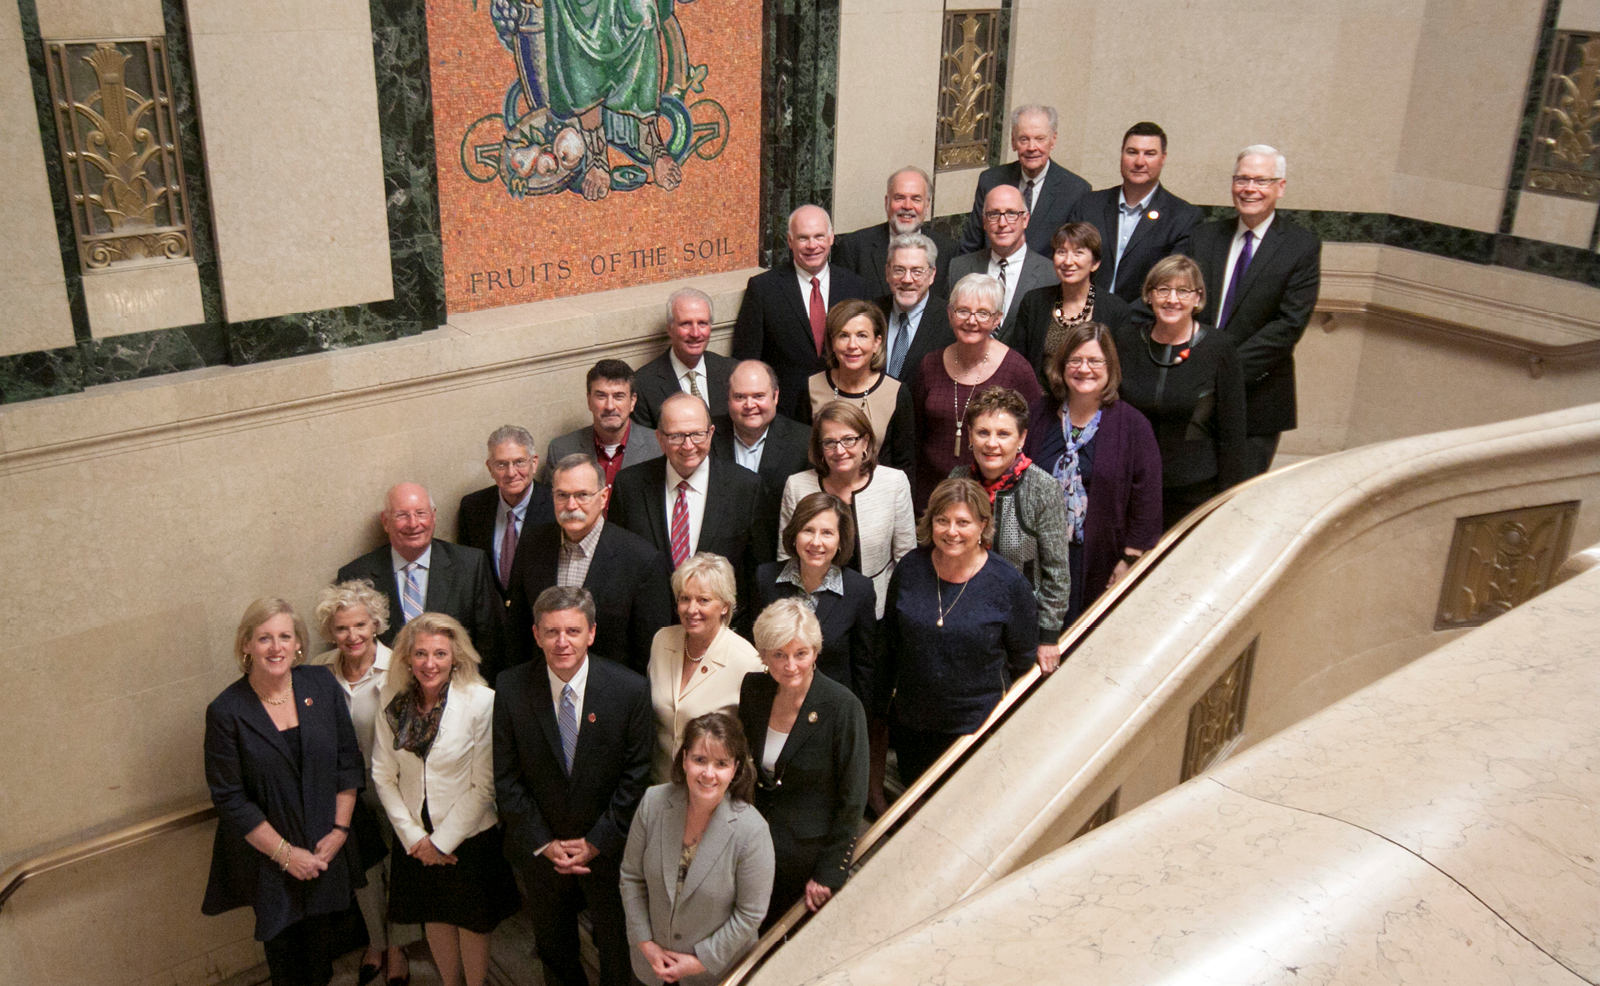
670 967
308 864
570 855
426 853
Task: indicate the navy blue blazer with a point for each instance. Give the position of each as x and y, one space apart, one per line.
254 778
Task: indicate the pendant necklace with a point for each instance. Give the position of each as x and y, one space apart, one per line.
939 590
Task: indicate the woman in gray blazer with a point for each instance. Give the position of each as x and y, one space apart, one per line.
697 871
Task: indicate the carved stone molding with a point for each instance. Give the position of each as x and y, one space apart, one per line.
1566 142
967 89
119 151
1103 814
1218 718
1501 560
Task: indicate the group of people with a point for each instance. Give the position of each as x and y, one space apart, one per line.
748 579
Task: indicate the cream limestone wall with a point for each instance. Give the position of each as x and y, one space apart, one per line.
150 513
1554 219
33 288
72 19
289 109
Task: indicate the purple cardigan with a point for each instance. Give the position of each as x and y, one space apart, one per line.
1124 488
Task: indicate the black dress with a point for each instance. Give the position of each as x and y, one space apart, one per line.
476 893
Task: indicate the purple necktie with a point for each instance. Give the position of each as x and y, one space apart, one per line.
508 550
1239 267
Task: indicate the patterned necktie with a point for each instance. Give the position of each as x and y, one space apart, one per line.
680 526
902 342
508 549
411 595
1239 267
1002 265
693 388
1027 195
818 313
567 722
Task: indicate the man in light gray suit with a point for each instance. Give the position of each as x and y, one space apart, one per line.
611 438
1008 259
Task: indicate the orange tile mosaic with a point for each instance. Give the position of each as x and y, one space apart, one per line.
529 94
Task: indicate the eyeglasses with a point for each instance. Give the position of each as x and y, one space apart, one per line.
581 499
847 443
899 272
408 516
685 437
1085 362
504 465
981 314
1007 217
1182 294
1252 181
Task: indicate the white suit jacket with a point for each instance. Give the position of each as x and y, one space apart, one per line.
457 779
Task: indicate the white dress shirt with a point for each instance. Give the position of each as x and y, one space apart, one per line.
805 286
1038 185
400 564
502 512
1013 271
1127 222
699 483
580 681
682 373
1236 248
361 695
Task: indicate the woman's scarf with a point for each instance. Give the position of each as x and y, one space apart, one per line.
414 730
1006 480
1066 472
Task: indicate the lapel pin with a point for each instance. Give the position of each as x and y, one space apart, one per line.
1154 215
812 717
704 669
308 701
591 717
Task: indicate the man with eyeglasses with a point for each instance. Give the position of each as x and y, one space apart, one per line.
1049 191
918 323
689 501
492 519
421 574
624 573
1263 271
908 205
1008 259
1140 221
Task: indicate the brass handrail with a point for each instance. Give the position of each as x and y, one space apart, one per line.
13 878
906 804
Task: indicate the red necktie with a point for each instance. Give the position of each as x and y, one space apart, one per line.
680 525
818 314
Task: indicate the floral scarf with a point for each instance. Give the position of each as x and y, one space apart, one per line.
415 730
1066 472
1006 480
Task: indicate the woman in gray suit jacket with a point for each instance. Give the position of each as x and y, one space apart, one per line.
697 870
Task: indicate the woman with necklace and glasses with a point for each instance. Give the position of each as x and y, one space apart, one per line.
960 626
1045 315
949 379
1186 380
1102 454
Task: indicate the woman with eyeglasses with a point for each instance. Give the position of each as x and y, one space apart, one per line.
949 379
1045 315
856 348
1186 380
1102 454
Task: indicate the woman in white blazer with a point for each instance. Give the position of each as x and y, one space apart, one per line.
697 870
878 496
433 765
698 665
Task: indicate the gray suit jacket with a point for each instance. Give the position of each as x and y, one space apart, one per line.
1036 272
724 896
642 447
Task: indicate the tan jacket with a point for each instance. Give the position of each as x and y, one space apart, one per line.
715 687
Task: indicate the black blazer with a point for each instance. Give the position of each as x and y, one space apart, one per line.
655 381
814 797
461 584
1152 238
536 798
933 334
626 577
774 325
1062 190
849 625
786 452
254 778
736 524
1275 301
866 251
475 522
1036 314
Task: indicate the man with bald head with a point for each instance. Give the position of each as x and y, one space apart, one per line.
908 204
687 366
421 574
781 319
1049 191
755 435
1008 260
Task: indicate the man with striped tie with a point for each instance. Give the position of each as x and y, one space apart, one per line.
421 574
687 366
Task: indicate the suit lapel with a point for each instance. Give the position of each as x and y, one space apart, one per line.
673 819
711 520
1141 229
439 576
807 722
759 710
542 558
719 835
545 713
254 715
589 716
655 498
1259 258
710 663
789 285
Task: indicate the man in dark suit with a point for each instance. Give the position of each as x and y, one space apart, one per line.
1262 272
918 321
1049 190
422 575
686 366
781 319
624 574
609 437
1139 220
1008 259
572 743
715 504
756 436
492 519
908 205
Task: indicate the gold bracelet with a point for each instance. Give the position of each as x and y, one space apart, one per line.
283 845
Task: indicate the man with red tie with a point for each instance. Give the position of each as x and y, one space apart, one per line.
781 319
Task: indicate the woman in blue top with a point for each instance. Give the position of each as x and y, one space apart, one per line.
959 626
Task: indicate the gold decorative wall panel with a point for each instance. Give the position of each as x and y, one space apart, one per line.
1218 718
967 89
1566 142
1103 814
1500 560
119 151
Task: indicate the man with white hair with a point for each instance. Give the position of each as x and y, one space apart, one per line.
1048 190
908 204
687 366
1262 272
782 318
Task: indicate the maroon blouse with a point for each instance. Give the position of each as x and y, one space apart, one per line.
939 403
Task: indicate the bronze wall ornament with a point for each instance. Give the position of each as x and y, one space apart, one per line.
1501 560
1217 719
1566 141
967 89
